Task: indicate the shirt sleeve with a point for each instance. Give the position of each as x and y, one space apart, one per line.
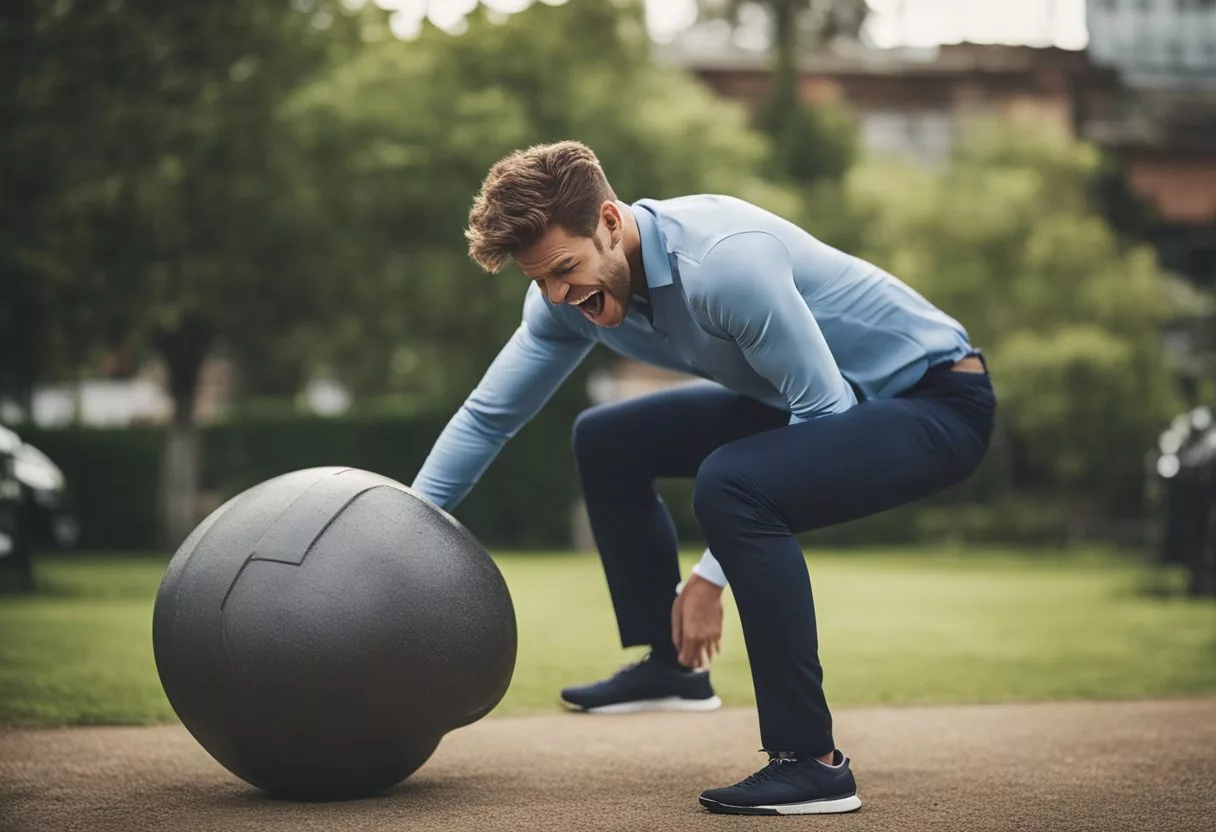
709 569
539 356
744 290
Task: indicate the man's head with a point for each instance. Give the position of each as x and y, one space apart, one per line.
551 210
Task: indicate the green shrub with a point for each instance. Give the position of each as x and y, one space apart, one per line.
114 474
114 479
523 501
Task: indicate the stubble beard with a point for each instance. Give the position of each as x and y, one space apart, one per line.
617 283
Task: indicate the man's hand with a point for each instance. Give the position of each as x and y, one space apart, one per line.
696 622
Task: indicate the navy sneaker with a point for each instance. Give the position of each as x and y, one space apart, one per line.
648 685
789 786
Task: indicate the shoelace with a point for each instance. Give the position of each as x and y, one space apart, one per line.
766 773
628 668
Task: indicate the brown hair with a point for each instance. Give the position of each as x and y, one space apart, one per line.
529 191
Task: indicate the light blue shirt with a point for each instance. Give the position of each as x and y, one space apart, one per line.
739 296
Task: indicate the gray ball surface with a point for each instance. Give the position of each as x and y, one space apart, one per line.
319 633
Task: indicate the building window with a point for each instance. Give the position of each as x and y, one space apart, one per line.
1175 54
926 136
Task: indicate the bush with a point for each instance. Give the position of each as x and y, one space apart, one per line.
114 480
523 501
1005 239
114 474
951 518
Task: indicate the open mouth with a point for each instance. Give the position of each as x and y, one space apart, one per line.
593 304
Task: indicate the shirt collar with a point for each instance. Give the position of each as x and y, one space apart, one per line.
655 259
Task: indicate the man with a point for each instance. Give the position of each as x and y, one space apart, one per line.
832 391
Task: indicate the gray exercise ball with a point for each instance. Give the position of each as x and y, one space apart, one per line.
319 633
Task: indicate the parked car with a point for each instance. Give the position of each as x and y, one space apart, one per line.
35 510
1187 468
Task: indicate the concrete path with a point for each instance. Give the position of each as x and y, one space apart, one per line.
1072 766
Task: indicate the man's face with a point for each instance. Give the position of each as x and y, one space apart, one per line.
591 273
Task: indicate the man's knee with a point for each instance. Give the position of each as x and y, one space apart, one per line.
594 436
722 497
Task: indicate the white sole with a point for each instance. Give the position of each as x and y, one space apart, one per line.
812 807
669 703
820 807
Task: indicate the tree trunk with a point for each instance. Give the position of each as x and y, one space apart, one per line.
785 32
180 481
183 350
782 111
784 98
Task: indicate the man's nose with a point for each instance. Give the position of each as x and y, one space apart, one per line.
557 290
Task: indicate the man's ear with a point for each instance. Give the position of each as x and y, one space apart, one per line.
610 215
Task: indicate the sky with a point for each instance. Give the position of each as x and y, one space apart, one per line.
892 22
931 22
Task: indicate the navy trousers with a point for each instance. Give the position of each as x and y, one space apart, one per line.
758 482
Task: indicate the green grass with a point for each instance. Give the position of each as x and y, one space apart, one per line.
895 627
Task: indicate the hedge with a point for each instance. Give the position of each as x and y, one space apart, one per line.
114 474
524 501
113 477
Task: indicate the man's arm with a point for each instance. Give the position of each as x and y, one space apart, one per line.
744 290
527 371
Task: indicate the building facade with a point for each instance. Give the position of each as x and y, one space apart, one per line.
912 102
1155 43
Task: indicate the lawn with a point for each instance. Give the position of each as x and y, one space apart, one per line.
895 627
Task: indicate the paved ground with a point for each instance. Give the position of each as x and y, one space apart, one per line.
1060 767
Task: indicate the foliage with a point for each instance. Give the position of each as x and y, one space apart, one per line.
290 182
166 207
160 184
809 143
114 479
1005 240
113 474
405 132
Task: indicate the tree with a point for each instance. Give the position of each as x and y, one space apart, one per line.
408 131
162 201
1007 240
809 143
